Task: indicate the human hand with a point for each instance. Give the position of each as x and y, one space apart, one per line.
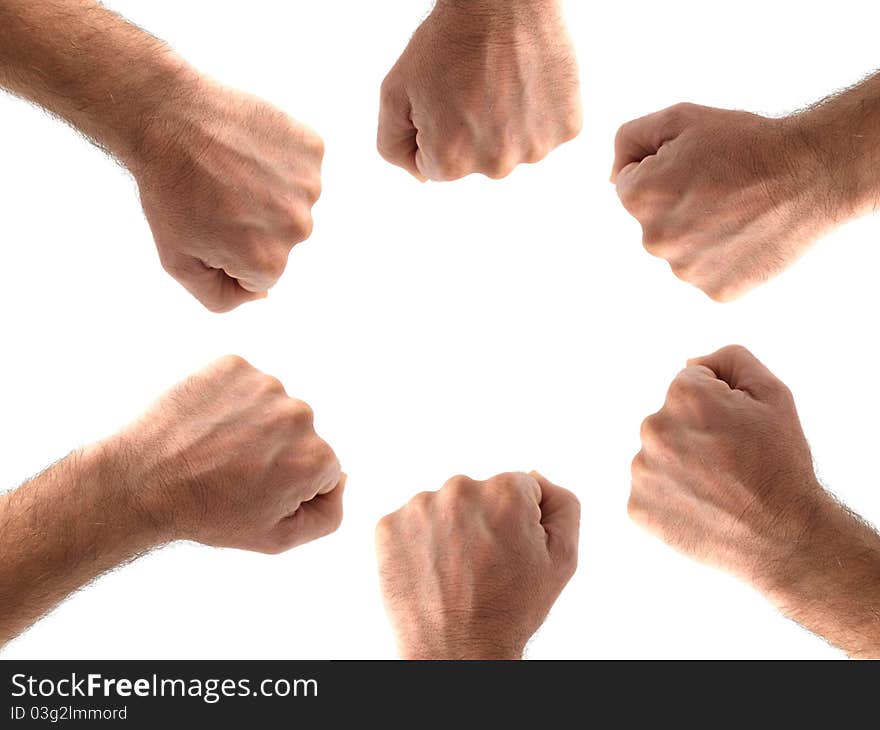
482 86
227 184
725 475
227 459
727 198
471 571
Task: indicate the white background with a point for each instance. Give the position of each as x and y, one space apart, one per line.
471 327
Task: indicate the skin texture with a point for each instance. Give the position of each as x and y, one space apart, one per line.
729 199
481 87
225 458
725 476
471 571
227 181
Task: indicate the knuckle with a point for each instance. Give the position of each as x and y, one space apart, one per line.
656 249
639 467
633 197
263 260
624 132
300 224
172 266
499 166
448 173
655 240
271 385
445 170
456 492
273 546
233 363
536 152
385 529
317 145
457 483
783 391
293 224
719 292
421 503
680 112
572 122
648 428
312 191
653 433
500 172
507 501
297 412
635 508
317 456
307 227
324 453
681 388
682 270
507 482
275 265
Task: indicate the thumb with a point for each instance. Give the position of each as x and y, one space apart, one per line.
223 293
318 517
214 288
741 370
560 517
642 137
396 136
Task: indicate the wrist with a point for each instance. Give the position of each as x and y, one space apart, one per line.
844 136
165 86
124 495
461 635
495 6
440 649
789 560
534 13
830 581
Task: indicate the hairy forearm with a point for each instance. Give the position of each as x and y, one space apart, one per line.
502 13
831 582
500 6
87 65
61 530
845 131
430 644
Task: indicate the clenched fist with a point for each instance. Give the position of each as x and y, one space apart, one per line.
725 475
227 183
471 571
226 458
482 86
727 198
